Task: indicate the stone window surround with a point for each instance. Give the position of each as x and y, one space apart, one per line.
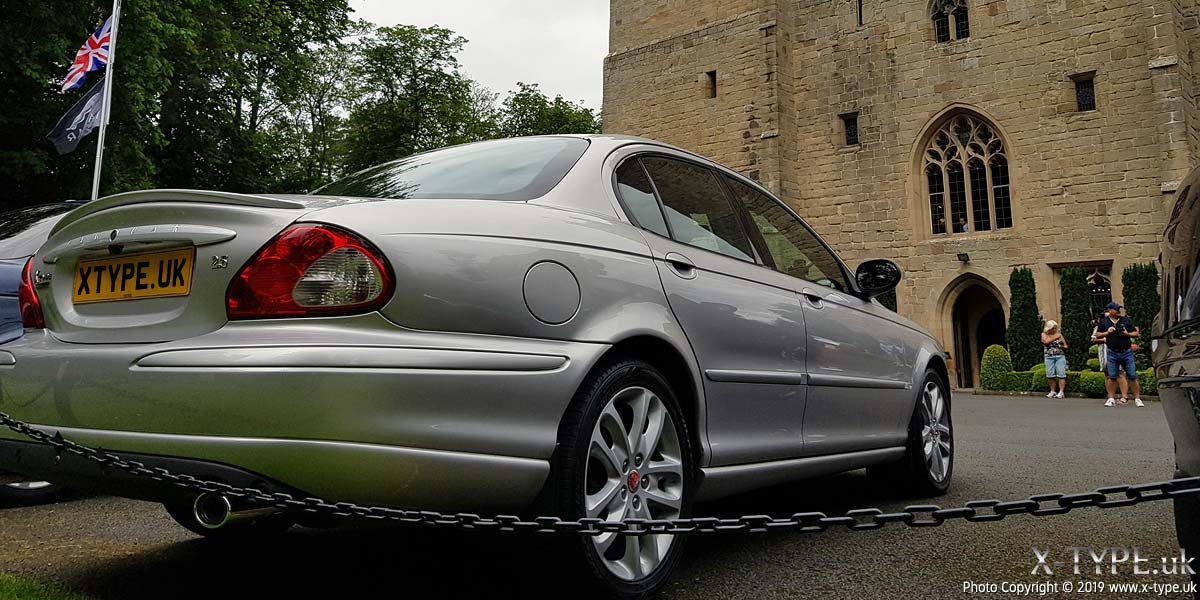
1085 76
946 9
1105 265
996 146
843 122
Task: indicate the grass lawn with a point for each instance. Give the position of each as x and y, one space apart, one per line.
18 588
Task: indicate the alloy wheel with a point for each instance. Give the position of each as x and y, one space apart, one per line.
935 432
634 470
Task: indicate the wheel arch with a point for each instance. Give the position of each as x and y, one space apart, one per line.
938 364
680 371
935 361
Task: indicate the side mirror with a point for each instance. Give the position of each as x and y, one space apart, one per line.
877 276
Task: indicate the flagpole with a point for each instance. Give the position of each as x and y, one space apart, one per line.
107 104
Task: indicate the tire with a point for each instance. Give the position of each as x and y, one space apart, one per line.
28 493
919 473
584 472
266 527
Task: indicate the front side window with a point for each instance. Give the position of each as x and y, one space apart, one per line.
794 249
697 209
966 180
513 169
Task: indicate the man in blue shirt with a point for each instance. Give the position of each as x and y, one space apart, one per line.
1118 333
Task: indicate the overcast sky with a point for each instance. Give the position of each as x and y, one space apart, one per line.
560 45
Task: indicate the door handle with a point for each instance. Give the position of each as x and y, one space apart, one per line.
681 265
813 300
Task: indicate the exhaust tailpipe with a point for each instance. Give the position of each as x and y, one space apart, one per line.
214 511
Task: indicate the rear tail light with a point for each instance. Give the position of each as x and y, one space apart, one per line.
311 270
31 307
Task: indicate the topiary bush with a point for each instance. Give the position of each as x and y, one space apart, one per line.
1142 302
1039 369
1149 382
1076 305
1093 364
1023 381
995 368
1089 383
1025 322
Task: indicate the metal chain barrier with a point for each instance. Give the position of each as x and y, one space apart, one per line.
922 515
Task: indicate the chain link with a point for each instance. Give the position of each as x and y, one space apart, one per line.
922 515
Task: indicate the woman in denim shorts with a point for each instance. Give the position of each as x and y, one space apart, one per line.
1053 345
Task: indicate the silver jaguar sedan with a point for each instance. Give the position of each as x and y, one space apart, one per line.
592 326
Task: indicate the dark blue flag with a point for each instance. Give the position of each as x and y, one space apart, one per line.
80 120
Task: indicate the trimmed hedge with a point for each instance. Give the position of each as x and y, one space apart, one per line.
1088 383
1093 364
1149 382
996 374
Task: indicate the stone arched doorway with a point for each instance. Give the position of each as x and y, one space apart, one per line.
973 318
978 323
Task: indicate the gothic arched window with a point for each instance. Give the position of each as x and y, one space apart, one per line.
966 171
950 20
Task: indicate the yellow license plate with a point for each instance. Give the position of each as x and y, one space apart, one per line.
134 276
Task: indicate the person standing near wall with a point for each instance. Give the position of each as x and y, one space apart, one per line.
1118 333
1053 347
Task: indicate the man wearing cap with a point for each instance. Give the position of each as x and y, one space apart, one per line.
1118 333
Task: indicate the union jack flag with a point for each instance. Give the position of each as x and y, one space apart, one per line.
92 55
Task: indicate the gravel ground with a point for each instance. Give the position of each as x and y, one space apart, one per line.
1008 448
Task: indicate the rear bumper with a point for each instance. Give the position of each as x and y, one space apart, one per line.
350 409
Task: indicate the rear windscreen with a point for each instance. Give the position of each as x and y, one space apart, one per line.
512 169
24 230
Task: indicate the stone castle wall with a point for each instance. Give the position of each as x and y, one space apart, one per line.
1087 187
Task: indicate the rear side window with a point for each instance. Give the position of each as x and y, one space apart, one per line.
24 230
638 196
698 210
513 169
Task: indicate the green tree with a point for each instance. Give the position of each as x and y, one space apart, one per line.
1075 307
197 85
1025 321
244 95
411 97
527 111
483 120
1142 302
39 40
313 124
233 66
